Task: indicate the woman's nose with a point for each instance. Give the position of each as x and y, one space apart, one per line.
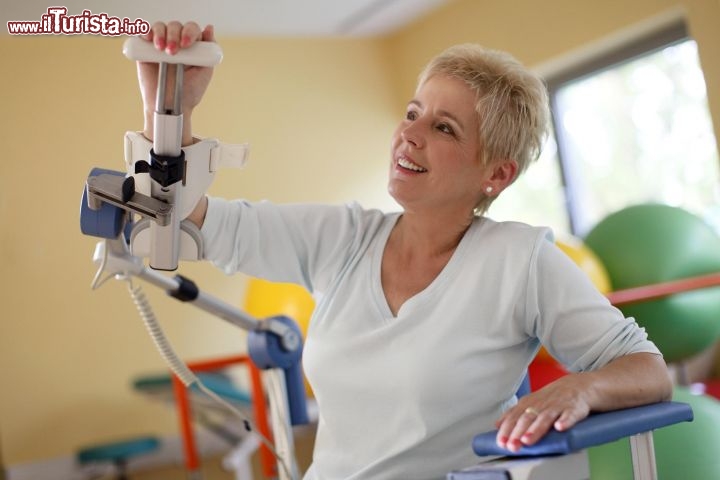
412 134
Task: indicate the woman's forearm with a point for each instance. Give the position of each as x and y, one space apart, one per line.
630 380
198 214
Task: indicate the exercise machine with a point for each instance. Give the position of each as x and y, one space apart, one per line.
138 215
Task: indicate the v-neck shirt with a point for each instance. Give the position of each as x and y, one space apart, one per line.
417 300
402 396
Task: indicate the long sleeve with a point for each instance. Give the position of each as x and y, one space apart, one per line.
572 319
299 243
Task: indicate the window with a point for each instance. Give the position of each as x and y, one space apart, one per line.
631 127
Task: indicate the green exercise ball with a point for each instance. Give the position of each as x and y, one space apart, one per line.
686 450
647 244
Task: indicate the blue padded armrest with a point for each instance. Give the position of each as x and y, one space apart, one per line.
597 429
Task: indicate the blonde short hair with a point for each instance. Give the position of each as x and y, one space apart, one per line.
512 102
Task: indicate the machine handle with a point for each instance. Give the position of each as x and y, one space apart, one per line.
201 54
297 401
266 350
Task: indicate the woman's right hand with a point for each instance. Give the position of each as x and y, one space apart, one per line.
170 38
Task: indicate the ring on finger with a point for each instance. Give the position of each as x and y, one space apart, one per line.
532 411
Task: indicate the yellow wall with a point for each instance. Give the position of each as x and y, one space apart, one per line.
318 113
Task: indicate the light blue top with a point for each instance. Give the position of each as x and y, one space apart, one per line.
401 397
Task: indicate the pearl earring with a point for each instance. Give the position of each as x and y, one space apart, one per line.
488 190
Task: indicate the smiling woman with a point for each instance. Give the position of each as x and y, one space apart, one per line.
438 277
435 150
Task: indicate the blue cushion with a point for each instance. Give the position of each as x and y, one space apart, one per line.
596 429
118 451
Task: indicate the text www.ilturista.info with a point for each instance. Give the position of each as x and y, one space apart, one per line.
57 22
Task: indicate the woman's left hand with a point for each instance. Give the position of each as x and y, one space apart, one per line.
559 405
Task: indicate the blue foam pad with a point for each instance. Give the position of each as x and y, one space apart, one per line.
597 429
223 386
217 382
107 221
118 451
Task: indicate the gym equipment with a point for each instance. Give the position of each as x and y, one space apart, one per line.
117 453
685 450
194 407
564 453
666 251
161 187
264 298
588 262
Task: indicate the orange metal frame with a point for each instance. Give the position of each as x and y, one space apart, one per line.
664 289
182 400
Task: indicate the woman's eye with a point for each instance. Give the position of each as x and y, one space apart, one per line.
411 115
445 128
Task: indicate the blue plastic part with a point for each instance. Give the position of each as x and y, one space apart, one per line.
118 451
597 429
524 387
107 221
266 352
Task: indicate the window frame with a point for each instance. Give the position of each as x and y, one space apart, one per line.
671 34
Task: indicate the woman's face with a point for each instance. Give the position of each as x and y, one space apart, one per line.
435 149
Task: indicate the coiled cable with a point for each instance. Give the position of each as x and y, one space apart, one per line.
182 371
